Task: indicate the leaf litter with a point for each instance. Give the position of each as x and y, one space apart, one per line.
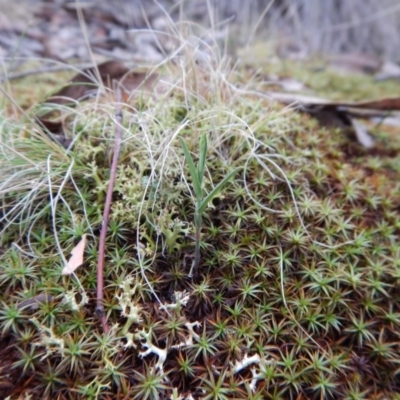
76 259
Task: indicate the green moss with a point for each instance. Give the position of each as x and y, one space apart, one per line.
31 89
298 285
316 75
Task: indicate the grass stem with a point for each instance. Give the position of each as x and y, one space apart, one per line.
106 215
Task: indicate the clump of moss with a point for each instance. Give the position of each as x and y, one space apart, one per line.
317 74
297 292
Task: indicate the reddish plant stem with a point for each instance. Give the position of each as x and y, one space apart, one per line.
106 216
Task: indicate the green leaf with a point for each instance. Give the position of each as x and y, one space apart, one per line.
193 171
202 158
202 206
198 219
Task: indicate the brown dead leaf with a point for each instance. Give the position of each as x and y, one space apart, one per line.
384 104
86 84
87 81
76 259
342 114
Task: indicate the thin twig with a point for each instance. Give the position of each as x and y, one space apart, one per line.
106 215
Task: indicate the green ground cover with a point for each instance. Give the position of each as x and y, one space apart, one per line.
296 294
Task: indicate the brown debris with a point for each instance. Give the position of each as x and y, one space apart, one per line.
342 114
87 83
35 302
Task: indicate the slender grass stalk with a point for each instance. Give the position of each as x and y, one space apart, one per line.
106 216
197 175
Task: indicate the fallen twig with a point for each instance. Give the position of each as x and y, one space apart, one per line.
106 215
